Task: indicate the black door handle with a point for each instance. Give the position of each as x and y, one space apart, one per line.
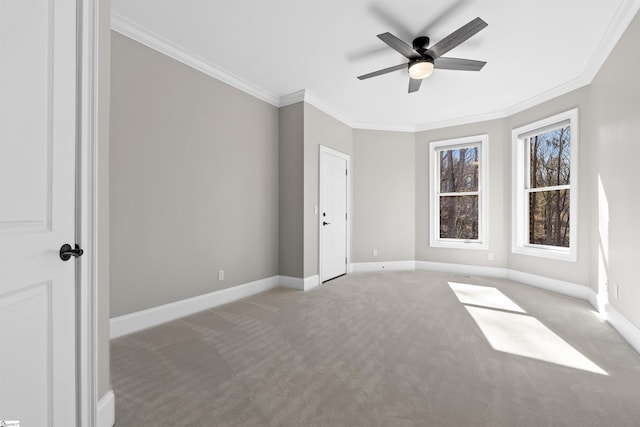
325 223
66 252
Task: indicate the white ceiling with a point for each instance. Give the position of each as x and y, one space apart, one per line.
535 49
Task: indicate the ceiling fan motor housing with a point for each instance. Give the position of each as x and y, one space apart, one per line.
424 58
420 43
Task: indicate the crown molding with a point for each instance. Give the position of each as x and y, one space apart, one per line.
317 102
311 99
308 97
292 98
154 41
546 96
383 127
616 28
459 121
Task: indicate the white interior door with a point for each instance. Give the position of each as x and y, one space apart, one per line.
333 213
37 212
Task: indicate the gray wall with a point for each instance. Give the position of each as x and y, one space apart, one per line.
104 79
291 190
615 101
499 184
194 183
319 129
384 183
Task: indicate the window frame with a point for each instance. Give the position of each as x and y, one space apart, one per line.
520 190
482 142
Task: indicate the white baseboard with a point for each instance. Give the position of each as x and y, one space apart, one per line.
129 323
106 411
628 330
134 322
292 282
311 282
359 267
476 270
558 286
299 283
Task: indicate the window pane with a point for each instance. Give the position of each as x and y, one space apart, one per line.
459 170
550 158
549 218
459 217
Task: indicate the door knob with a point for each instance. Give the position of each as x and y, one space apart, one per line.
325 223
66 252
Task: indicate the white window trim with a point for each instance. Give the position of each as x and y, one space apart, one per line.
483 194
520 206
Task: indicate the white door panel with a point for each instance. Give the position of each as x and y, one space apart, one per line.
333 214
37 211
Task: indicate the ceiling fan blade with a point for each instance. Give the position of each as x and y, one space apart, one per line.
457 37
458 64
383 71
414 84
399 46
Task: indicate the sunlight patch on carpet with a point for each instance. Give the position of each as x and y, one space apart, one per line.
509 329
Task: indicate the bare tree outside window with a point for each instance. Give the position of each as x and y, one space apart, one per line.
549 182
459 193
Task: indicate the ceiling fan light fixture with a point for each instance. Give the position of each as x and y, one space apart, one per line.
421 69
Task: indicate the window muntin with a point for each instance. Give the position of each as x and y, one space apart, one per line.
457 192
545 197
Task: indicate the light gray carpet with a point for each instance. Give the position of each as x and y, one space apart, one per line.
381 349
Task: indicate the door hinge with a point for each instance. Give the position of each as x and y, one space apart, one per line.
345 215
345 261
346 171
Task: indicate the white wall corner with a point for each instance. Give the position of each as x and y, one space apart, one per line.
359 267
474 270
106 411
624 327
134 322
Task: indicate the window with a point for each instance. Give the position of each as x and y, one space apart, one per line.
545 190
458 192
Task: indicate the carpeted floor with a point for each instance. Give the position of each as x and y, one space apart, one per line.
382 349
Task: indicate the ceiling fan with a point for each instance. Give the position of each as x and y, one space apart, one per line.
423 60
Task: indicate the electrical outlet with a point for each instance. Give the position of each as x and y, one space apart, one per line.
374 252
221 275
490 256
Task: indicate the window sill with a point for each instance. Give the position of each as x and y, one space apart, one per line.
556 254
459 245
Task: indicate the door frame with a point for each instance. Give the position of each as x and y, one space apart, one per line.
322 149
87 119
